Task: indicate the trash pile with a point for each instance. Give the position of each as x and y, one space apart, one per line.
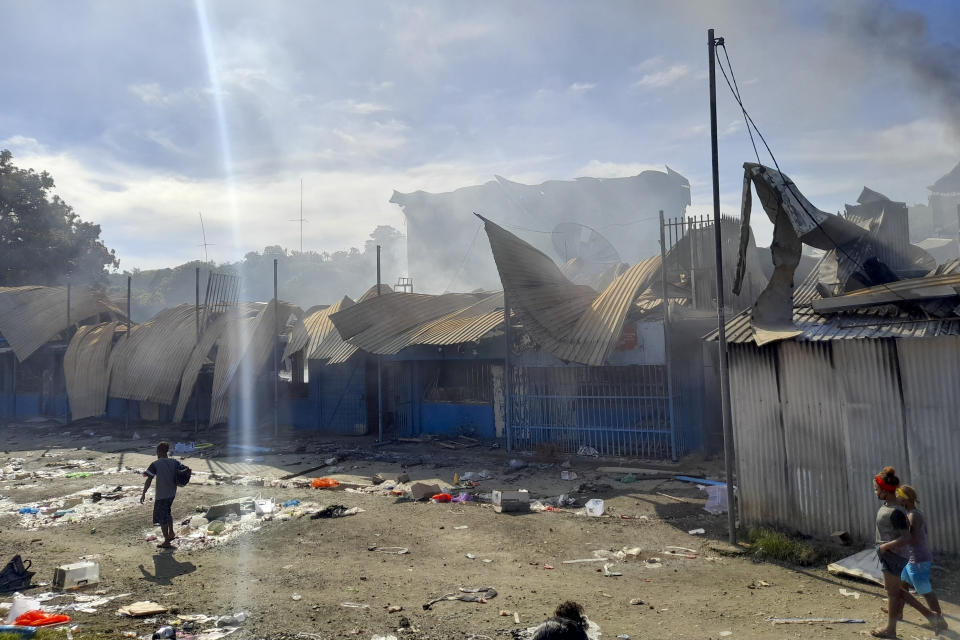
88 504
217 524
13 469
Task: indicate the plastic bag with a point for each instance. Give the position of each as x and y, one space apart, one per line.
442 497
324 483
21 604
37 618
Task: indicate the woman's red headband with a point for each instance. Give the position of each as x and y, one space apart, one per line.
884 485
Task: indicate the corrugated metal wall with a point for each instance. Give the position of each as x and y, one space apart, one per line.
869 387
764 484
815 421
811 405
930 373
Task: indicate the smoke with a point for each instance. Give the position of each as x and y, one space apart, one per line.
901 38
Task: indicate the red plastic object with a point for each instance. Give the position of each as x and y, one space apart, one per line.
37 618
442 497
324 483
547 566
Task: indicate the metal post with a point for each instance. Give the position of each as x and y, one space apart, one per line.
507 372
958 228
68 307
379 369
14 386
126 421
666 339
693 263
196 387
276 355
721 319
66 411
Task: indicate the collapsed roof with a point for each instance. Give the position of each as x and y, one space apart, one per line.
860 250
870 282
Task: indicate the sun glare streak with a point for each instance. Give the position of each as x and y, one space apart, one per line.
246 415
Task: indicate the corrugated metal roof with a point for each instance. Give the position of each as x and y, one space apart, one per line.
211 336
372 292
86 369
568 320
815 327
147 365
388 323
246 341
315 327
33 315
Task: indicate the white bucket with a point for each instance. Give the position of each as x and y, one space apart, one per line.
264 507
594 508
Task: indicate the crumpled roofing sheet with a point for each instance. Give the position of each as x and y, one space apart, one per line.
245 342
33 315
316 326
211 336
390 322
147 364
86 368
570 321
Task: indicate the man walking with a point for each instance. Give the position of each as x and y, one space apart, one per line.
164 469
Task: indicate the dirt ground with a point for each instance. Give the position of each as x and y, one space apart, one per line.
326 562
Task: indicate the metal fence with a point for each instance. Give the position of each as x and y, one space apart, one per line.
618 411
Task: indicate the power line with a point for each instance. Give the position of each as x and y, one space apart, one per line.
787 183
463 261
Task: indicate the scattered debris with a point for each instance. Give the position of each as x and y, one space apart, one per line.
863 565
142 609
716 498
399 551
697 532
851 594
594 507
568 475
815 620
511 501
421 491
607 573
466 594
588 451
324 483
841 537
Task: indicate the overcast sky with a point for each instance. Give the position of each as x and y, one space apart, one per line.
146 113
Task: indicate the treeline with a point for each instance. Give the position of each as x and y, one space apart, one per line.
304 279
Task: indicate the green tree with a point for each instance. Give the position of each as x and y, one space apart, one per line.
42 239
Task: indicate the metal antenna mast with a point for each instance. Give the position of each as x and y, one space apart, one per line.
301 219
204 244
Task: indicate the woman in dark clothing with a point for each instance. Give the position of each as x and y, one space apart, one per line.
893 540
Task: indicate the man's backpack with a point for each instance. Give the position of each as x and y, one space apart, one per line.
183 475
15 576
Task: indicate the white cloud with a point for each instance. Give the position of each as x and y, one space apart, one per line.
664 77
151 93
358 108
598 169
582 87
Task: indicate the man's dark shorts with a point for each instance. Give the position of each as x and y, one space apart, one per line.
162 515
892 563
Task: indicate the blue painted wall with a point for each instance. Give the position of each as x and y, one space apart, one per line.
449 418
